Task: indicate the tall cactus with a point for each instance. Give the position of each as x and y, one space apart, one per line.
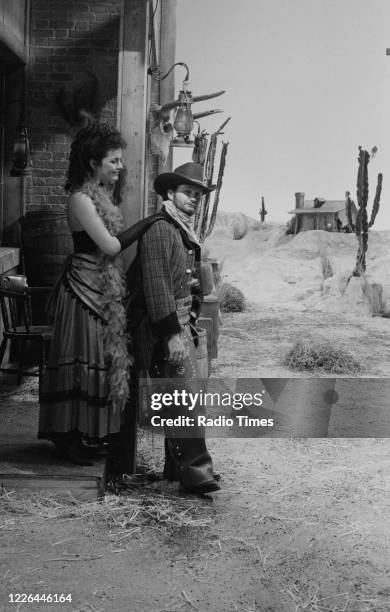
200 148
362 224
208 173
217 191
262 211
349 207
203 225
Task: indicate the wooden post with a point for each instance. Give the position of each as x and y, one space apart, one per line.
132 103
167 59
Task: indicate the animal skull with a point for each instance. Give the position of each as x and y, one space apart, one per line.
161 130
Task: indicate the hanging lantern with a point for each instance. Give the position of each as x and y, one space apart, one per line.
175 116
20 153
184 121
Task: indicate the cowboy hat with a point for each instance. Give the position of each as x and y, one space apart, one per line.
187 174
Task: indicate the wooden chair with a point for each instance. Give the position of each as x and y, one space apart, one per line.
15 303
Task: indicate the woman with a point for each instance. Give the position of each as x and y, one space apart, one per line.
85 386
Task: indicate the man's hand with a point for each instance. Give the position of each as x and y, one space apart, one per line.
176 350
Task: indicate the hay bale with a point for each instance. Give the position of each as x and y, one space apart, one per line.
325 356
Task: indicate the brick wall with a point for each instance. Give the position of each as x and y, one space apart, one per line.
67 36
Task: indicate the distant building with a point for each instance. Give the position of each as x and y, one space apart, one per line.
320 214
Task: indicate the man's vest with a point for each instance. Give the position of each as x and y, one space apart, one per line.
135 305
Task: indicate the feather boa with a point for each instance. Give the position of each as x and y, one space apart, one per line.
113 287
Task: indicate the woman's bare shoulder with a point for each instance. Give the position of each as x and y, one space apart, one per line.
80 209
79 198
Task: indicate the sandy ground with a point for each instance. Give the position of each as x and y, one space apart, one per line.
300 524
289 299
275 270
256 343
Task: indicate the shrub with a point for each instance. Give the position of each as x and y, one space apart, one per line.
231 299
305 356
239 228
373 293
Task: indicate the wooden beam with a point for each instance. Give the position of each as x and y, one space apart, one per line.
167 59
132 102
131 121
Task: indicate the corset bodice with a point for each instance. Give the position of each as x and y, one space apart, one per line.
83 243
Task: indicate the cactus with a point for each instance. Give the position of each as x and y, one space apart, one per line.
362 224
218 189
203 226
262 211
349 205
200 148
209 172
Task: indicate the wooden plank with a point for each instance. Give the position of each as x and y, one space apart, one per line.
86 489
9 258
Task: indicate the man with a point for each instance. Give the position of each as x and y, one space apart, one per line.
168 257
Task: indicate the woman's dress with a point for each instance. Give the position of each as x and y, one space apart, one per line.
85 384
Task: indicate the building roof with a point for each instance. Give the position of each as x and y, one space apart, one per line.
329 206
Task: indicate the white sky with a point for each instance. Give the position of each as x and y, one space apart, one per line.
307 82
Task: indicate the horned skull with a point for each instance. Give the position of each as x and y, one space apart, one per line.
160 131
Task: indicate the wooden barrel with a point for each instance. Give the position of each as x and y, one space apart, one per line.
46 242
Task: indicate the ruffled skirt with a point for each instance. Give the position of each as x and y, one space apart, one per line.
74 389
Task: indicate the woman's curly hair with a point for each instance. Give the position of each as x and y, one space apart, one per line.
91 143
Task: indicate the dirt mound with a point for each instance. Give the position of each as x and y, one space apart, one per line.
313 243
271 267
227 221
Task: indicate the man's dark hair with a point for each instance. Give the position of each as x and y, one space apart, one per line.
164 195
91 143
